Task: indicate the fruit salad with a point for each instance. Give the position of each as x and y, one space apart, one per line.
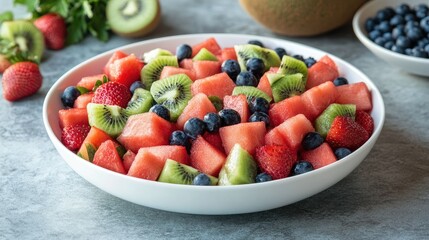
212 115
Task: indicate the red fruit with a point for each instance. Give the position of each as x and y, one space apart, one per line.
89 82
4 63
83 100
115 56
206 158
108 157
72 116
320 156
112 93
214 140
125 70
365 120
345 132
72 136
275 160
54 30
20 80
128 159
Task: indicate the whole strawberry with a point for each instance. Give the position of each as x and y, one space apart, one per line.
4 63
73 136
365 120
346 133
275 160
54 30
112 93
20 80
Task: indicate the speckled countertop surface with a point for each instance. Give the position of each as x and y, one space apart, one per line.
386 197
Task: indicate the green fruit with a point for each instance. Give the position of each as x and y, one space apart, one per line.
109 118
204 55
151 71
239 168
324 121
175 172
173 92
285 86
250 92
133 18
291 65
247 51
140 102
28 38
152 54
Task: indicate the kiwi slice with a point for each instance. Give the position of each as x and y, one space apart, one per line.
204 54
285 86
247 51
250 92
239 168
151 71
217 102
133 18
291 65
173 92
140 102
324 121
178 173
28 38
154 53
109 118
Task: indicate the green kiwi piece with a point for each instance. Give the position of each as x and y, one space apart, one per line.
285 86
204 55
109 118
247 51
133 18
151 71
173 92
239 168
250 92
140 102
154 53
178 173
324 121
217 102
291 65
28 38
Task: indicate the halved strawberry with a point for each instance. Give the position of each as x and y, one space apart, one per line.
72 136
365 120
345 132
277 161
112 93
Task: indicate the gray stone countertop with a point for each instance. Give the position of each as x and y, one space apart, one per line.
386 197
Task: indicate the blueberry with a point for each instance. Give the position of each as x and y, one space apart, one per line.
389 44
194 127
403 42
387 36
423 42
301 167
410 17
213 122
380 41
426 48
312 140
263 177
422 7
180 138
309 61
340 81
403 9
398 31
69 96
232 68
255 66
374 34
201 179
397 20
408 51
246 79
384 27
260 117
424 24
370 24
419 52
299 57
397 49
280 52
341 152
421 14
259 104
382 15
183 51
135 85
410 24
256 42
229 117
414 33
161 111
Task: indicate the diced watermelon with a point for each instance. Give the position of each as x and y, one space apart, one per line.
115 56
319 98
227 53
83 100
218 85
145 130
239 104
275 137
206 158
210 44
149 161
198 106
187 63
319 73
89 81
214 140
128 159
248 135
264 83
126 70
107 157
327 60
320 156
91 143
355 93
72 116
170 70
286 109
205 69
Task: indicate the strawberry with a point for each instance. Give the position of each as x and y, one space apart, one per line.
345 132
275 160
365 120
54 30
20 80
72 136
4 63
112 93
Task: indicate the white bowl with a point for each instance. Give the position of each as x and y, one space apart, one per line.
414 65
208 199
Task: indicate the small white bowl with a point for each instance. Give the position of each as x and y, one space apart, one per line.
414 65
208 199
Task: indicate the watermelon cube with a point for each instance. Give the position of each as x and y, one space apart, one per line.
355 93
206 68
206 158
249 136
218 85
264 83
198 106
108 157
239 104
72 116
89 81
170 70
115 56
83 100
227 54
126 70
319 98
210 44
320 156
91 143
187 63
286 109
319 73
128 159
